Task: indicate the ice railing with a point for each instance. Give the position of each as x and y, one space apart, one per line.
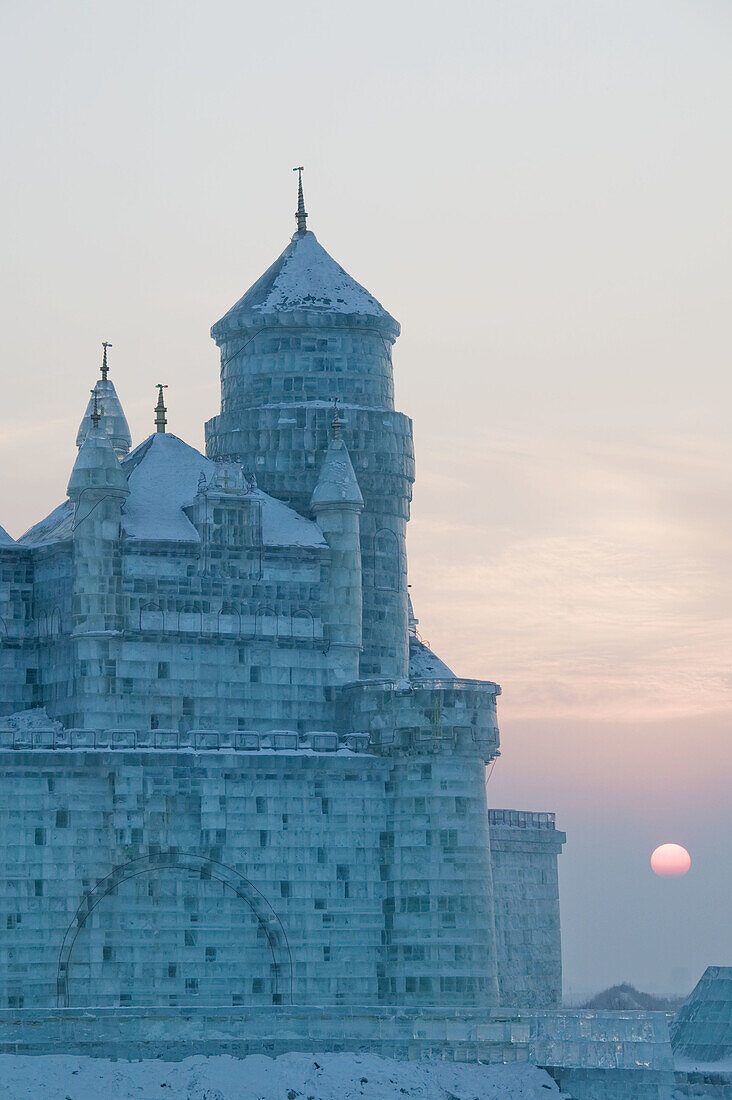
167 739
522 819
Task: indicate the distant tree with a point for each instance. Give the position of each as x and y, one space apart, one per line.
626 997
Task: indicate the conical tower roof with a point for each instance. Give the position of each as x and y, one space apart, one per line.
336 484
113 420
304 279
97 465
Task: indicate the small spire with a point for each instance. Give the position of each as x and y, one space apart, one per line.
160 409
105 369
96 413
300 217
336 422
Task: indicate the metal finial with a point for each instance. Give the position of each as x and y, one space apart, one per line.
105 369
160 409
336 421
300 217
96 415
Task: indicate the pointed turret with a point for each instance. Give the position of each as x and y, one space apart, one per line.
336 486
97 466
337 504
114 419
98 490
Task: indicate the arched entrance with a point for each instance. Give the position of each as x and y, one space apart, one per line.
162 864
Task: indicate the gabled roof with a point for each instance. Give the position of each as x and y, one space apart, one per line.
163 476
304 278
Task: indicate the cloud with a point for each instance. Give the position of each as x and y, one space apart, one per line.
589 576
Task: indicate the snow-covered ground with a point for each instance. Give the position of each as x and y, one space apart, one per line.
289 1077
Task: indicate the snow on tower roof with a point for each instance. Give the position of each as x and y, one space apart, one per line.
304 277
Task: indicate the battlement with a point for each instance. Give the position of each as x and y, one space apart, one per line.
521 819
424 715
167 740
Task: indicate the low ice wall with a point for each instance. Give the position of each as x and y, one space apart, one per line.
593 1055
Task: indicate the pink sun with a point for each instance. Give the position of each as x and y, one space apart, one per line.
670 860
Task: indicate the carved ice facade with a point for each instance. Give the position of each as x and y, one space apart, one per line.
255 784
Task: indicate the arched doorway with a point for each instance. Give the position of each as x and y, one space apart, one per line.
169 928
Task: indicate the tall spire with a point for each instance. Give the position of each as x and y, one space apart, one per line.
105 369
301 216
160 409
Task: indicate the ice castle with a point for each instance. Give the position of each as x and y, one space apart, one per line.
235 781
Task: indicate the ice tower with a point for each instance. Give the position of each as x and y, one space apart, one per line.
304 334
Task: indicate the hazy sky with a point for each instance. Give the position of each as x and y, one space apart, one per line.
539 192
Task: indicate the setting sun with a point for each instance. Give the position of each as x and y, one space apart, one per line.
670 860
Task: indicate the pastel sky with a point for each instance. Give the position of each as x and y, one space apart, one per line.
539 192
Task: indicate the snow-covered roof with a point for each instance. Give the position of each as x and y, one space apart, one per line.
163 476
426 665
306 278
54 528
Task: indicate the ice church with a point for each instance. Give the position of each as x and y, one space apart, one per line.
235 781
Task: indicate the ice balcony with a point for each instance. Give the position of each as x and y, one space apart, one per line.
423 715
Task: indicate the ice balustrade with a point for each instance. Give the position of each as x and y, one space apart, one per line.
320 741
